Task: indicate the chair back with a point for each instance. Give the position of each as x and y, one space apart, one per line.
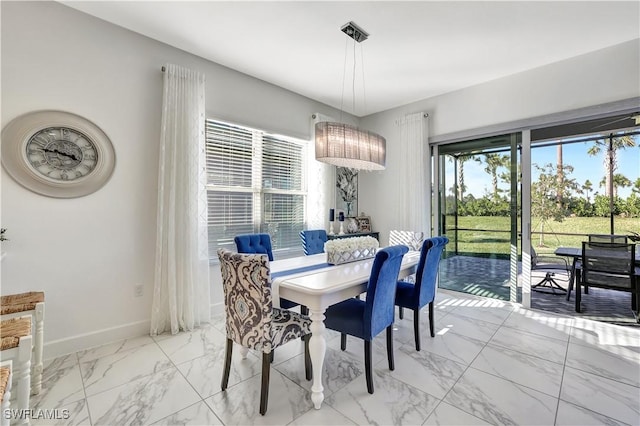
534 257
427 273
381 290
247 298
313 241
411 239
608 265
254 244
607 238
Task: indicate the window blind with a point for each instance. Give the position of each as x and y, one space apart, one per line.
256 183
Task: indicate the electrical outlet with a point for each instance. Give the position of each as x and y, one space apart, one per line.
138 290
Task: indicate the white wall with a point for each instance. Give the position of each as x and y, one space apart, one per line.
601 77
88 253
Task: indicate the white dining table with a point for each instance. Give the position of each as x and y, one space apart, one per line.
320 288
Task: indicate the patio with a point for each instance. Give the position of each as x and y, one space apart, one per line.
490 278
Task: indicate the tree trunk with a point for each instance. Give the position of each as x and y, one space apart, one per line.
541 241
460 179
559 176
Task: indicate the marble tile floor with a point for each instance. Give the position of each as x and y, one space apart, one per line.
491 362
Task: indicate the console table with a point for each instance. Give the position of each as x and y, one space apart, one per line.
375 235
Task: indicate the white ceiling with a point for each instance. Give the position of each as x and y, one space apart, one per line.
416 49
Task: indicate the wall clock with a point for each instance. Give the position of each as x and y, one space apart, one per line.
57 154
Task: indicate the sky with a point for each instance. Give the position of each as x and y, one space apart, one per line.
478 182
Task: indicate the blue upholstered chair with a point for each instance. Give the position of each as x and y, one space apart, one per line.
313 241
415 296
254 243
365 319
261 244
251 319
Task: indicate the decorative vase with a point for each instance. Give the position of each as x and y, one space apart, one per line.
352 226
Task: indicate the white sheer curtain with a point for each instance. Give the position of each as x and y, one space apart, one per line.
321 184
181 294
415 180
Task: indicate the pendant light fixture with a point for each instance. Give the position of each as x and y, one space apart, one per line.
345 145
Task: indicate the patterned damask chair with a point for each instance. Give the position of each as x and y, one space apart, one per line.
416 295
251 319
413 240
261 244
366 319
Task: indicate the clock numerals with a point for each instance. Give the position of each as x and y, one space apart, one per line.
62 154
39 140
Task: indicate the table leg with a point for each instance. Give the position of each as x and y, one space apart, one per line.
317 349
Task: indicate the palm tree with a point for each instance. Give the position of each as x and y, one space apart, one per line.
610 148
587 187
559 174
636 187
461 186
493 163
619 180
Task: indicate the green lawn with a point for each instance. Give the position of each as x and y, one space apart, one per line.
490 235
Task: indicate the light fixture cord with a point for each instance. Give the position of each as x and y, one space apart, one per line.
344 74
353 80
364 91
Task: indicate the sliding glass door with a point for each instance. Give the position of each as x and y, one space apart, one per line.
479 211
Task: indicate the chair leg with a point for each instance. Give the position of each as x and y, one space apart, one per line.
264 390
392 365
431 325
227 365
367 365
578 296
307 358
343 341
416 327
400 312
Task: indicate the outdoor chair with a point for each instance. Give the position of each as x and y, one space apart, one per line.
609 266
550 265
365 319
597 238
423 292
251 320
606 238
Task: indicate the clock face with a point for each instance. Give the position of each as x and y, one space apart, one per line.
57 154
61 153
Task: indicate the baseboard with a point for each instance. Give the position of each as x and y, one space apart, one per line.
56 348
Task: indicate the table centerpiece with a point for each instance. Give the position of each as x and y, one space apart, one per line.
346 250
